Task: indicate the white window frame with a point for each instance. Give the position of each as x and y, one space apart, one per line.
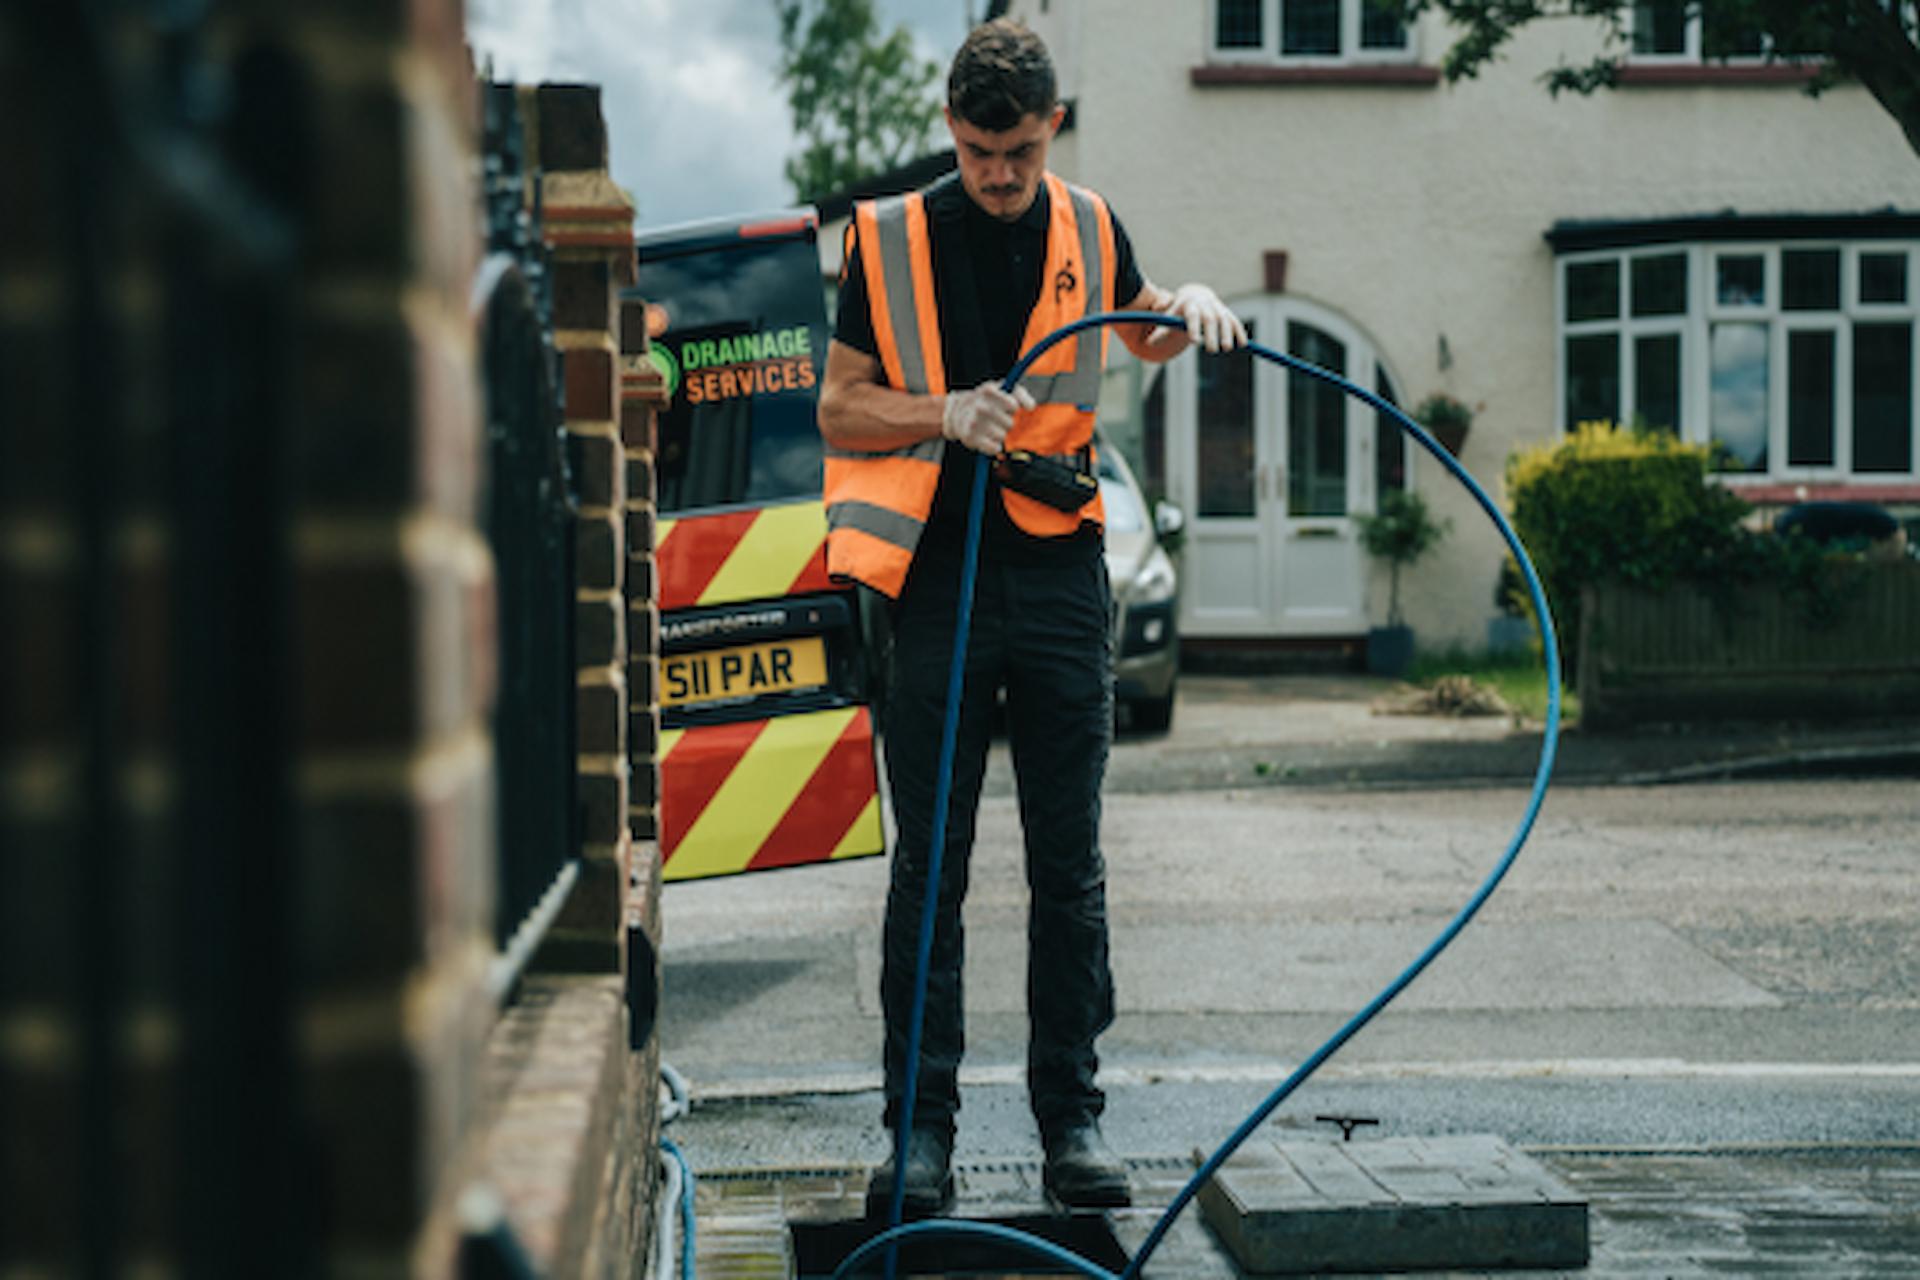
1836 322
1704 310
1627 327
1769 303
1269 54
1688 55
1850 282
1263 52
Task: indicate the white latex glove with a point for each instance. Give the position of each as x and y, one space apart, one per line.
981 418
1209 322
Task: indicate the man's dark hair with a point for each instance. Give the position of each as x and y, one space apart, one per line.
1001 75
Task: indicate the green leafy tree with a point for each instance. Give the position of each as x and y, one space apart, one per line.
862 103
1875 42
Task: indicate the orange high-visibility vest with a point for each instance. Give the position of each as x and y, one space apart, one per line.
878 502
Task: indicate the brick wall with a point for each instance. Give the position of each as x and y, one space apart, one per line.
393 613
42 652
144 711
247 785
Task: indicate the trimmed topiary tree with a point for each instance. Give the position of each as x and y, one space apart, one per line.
1400 532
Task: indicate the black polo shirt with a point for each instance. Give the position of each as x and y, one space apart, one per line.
986 283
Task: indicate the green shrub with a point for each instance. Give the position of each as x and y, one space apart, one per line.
1612 503
1637 506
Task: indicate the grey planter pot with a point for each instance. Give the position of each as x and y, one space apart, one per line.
1507 634
1389 650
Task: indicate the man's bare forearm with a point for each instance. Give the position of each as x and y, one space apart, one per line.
1147 341
875 418
857 412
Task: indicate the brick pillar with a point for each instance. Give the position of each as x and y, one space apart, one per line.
611 921
588 224
643 397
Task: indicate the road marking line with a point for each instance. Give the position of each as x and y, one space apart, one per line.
1274 1073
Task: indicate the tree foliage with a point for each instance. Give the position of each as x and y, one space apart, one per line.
1875 42
862 103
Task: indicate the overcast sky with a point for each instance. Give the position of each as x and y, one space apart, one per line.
698 127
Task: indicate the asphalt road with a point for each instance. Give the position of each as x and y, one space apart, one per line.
1710 964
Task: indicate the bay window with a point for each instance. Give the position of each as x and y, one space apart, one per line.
1795 359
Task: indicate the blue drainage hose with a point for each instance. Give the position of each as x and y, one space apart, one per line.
963 626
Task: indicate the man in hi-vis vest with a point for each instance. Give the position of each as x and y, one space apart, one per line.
942 290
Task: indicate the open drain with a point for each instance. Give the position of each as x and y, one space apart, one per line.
819 1247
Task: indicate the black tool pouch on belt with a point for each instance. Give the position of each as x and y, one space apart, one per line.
1061 485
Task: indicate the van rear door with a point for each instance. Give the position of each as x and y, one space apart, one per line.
767 736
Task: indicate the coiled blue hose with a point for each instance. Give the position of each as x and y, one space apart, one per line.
963 625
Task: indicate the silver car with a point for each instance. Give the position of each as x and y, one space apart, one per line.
1146 639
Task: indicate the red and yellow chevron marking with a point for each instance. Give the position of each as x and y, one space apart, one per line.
768 793
742 555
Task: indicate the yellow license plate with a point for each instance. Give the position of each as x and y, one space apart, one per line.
748 671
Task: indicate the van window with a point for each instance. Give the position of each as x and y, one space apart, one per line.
745 339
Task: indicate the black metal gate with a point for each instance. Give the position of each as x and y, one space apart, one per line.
530 516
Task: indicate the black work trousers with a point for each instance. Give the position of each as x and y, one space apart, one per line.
1039 631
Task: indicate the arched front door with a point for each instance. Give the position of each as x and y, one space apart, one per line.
1272 466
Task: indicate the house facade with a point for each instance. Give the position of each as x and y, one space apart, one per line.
1704 247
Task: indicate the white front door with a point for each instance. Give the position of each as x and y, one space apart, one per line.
1272 467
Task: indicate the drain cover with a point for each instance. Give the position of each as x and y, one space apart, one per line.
1395 1204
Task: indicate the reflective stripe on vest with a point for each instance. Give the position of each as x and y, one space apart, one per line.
877 503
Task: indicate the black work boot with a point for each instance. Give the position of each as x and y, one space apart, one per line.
1081 1170
929 1177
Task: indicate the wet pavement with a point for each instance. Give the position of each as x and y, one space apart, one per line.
1678 1213
1696 1004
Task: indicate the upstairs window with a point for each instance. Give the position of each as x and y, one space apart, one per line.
1677 31
1310 31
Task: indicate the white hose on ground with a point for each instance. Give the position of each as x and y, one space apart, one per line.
666 1262
666 1248
676 1086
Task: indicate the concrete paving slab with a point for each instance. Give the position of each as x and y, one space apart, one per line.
1298 1206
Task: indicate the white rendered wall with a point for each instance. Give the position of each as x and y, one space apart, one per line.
1419 212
